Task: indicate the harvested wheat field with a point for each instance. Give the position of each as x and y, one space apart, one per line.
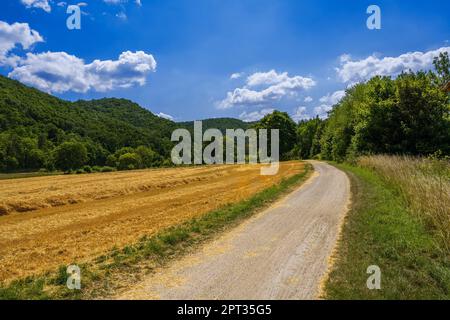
51 221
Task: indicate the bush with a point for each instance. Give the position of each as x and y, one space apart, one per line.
149 157
129 161
87 169
107 169
70 156
111 161
167 163
96 169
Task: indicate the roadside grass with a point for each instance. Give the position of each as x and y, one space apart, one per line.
108 273
424 183
381 230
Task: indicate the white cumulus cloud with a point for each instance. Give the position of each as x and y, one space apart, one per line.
327 103
263 88
61 72
300 113
361 70
322 111
12 35
165 116
333 98
41 4
255 115
236 75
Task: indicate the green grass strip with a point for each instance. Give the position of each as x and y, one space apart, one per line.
102 277
380 230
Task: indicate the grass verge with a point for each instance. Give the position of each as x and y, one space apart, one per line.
121 267
381 230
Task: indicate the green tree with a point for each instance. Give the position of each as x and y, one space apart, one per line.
282 121
70 156
111 160
35 159
130 161
442 66
149 157
308 137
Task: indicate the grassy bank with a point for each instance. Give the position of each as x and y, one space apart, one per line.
383 229
124 266
424 184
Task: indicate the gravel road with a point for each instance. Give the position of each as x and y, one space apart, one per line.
281 253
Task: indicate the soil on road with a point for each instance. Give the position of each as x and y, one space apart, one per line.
281 253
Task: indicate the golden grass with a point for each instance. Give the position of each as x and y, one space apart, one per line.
424 184
24 195
94 213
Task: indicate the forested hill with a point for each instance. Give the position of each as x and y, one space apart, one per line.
33 124
219 123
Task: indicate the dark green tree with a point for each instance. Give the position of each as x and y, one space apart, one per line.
442 66
288 135
130 161
149 157
70 156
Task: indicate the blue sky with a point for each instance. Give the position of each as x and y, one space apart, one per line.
177 57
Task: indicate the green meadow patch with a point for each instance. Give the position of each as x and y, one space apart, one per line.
381 230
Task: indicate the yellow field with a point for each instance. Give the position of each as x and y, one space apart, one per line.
51 221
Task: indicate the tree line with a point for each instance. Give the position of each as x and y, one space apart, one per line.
406 115
409 114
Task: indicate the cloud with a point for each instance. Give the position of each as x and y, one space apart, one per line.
12 35
255 116
60 72
361 70
115 2
165 116
122 15
322 111
333 98
263 88
327 103
236 75
308 99
41 4
300 114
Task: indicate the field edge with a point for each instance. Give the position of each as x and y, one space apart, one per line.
379 229
122 267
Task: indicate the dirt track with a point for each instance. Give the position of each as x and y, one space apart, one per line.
58 220
282 253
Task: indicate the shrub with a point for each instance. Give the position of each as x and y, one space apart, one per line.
111 161
107 169
96 169
129 161
70 155
87 169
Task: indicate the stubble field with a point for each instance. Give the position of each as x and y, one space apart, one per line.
46 222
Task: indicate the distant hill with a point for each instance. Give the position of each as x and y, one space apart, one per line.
219 123
113 123
34 123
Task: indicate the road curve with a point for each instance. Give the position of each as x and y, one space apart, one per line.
281 253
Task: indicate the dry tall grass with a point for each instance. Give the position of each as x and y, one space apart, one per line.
425 185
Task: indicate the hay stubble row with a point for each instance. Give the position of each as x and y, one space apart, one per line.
94 213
